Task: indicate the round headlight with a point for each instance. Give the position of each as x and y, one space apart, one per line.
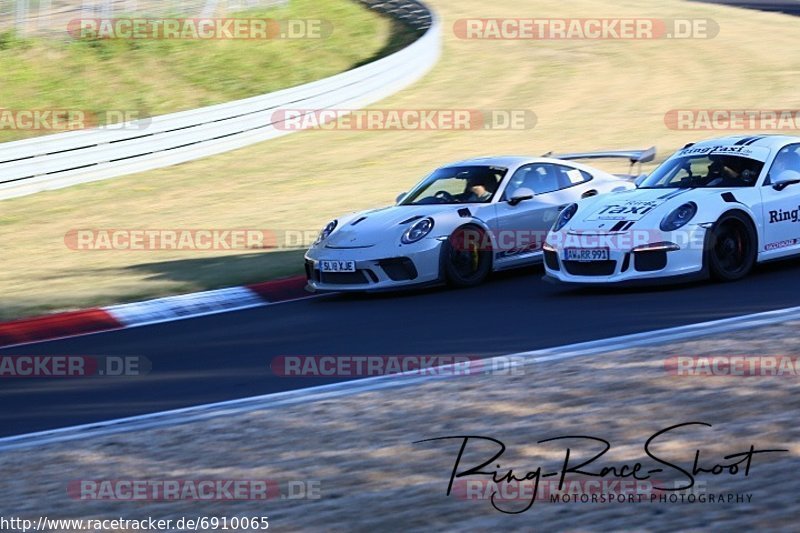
679 217
566 215
327 231
417 231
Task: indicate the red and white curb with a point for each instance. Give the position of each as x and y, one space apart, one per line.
73 323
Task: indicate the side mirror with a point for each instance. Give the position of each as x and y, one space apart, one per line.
400 197
784 179
520 195
638 181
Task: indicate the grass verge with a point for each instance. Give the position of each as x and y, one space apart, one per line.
163 76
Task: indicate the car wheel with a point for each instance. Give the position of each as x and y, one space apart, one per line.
732 247
467 257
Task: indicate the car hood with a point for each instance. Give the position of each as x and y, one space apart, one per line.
637 207
385 225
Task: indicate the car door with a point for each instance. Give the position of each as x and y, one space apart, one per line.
781 208
522 227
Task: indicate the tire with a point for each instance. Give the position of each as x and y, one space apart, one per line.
467 257
732 247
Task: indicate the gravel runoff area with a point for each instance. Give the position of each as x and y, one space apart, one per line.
357 458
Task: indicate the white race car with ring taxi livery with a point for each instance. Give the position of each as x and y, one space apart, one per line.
713 209
460 223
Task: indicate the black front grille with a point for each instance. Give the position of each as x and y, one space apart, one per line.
626 263
343 278
551 260
399 269
650 261
590 268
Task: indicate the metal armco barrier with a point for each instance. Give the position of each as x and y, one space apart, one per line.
65 159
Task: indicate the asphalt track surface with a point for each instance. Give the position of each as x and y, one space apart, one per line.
227 356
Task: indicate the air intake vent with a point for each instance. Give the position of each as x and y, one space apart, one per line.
410 220
362 219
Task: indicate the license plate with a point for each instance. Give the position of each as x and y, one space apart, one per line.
337 266
587 254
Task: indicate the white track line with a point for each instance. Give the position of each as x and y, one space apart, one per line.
371 384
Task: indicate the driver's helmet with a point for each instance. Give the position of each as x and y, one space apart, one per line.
715 165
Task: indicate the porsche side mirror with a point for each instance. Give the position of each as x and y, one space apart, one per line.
520 196
785 179
400 197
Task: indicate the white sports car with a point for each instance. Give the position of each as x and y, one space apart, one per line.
715 208
458 224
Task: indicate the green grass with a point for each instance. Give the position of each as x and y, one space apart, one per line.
162 76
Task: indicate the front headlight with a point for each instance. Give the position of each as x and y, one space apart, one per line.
679 217
417 231
327 231
566 215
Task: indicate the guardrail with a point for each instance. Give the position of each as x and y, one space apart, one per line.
65 159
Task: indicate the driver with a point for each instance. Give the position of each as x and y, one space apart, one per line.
718 170
730 173
478 189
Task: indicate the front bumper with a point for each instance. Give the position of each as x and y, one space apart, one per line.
633 265
377 267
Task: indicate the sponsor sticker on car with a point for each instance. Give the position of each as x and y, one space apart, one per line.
629 210
780 245
759 153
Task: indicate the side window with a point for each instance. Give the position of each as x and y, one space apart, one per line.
541 178
788 159
568 176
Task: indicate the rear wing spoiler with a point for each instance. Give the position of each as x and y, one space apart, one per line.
634 156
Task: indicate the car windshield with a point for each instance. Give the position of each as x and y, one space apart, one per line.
457 185
705 171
